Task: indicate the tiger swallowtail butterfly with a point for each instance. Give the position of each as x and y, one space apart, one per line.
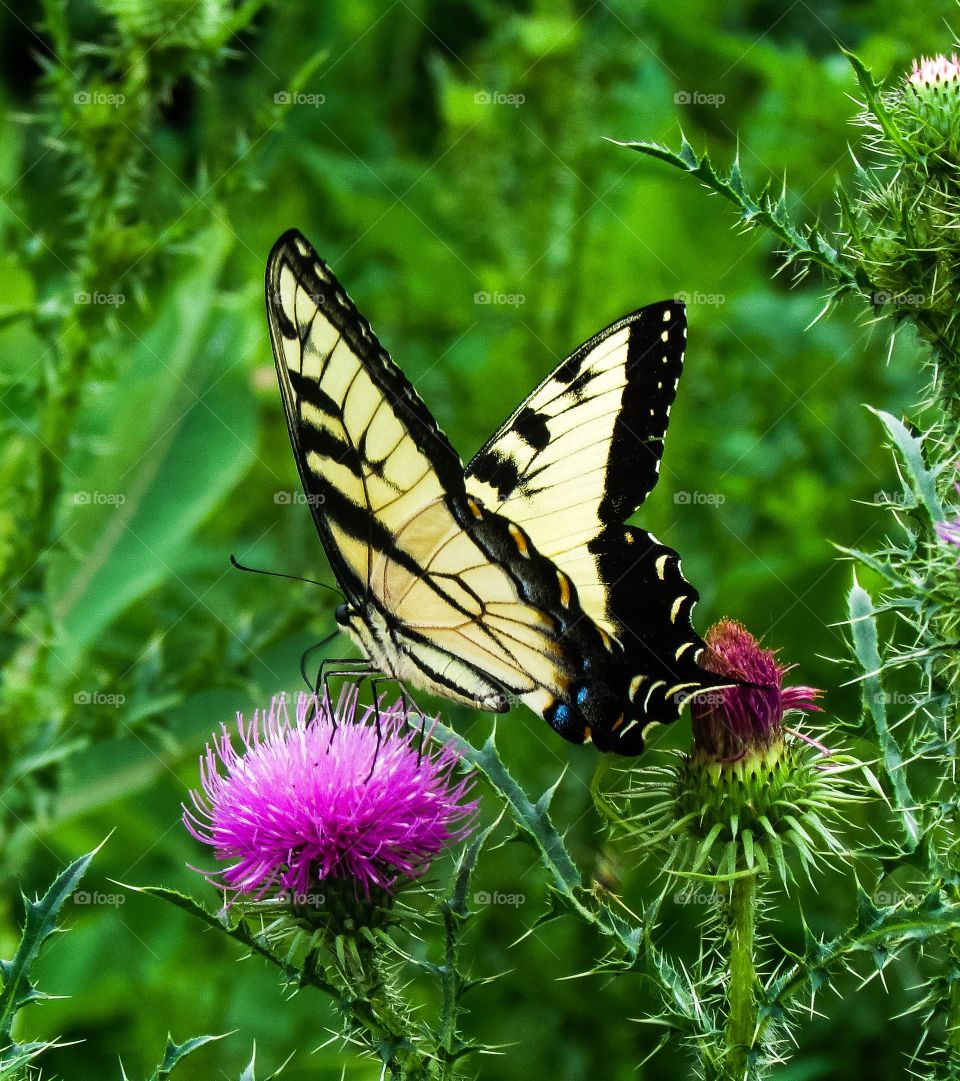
517 577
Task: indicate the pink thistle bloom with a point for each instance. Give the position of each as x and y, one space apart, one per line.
930 73
321 798
730 723
949 532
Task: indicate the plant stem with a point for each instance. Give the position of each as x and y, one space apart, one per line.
742 990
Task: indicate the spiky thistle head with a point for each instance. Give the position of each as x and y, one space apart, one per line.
750 788
325 811
902 216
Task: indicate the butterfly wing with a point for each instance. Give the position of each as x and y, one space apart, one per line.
571 464
440 594
368 450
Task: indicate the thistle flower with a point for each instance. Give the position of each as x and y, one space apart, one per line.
932 75
731 723
949 531
750 787
324 799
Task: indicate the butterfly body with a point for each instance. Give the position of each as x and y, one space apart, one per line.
515 579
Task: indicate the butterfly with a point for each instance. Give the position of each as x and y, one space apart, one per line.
515 578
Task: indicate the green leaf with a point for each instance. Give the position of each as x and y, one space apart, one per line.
180 458
249 1073
922 480
40 922
175 1053
875 927
236 929
873 93
863 626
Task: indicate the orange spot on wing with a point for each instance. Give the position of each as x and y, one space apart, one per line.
519 540
564 589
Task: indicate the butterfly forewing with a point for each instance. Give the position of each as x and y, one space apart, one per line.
370 454
583 451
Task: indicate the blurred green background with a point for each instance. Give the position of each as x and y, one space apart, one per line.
432 152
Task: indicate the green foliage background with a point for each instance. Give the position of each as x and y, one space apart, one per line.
162 414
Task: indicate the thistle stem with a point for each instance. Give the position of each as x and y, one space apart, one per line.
742 991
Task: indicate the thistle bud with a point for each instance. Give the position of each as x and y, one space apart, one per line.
750 788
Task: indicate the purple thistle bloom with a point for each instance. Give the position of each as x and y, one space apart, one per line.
318 798
730 723
949 532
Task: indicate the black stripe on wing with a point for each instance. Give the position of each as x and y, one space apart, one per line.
318 304
655 351
319 282
516 461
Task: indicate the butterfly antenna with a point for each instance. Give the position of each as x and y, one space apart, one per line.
279 574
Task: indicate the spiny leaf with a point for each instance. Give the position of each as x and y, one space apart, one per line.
176 1052
249 1072
465 866
237 930
875 928
533 820
40 922
805 244
923 480
872 92
863 626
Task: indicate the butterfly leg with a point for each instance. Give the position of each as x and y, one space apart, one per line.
375 688
333 667
409 701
